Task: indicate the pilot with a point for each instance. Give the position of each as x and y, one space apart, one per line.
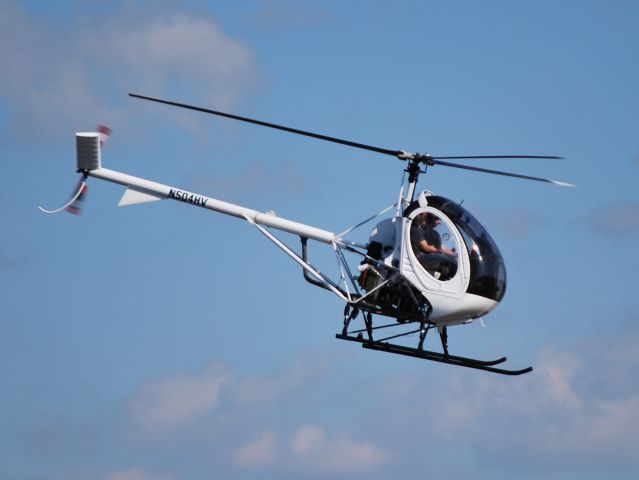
438 260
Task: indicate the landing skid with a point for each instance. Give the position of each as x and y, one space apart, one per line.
486 365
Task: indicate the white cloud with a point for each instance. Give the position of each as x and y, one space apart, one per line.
76 75
182 50
578 409
604 433
214 395
515 222
561 415
259 452
268 390
176 401
619 218
307 439
556 372
310 449
278 15
339 454
253 178
615 426
135 474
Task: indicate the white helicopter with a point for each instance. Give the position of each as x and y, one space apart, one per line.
431 265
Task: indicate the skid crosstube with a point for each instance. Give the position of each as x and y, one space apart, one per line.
435 356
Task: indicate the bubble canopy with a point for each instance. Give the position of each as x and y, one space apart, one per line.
487 269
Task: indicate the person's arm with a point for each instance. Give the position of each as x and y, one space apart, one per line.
447 251
427 247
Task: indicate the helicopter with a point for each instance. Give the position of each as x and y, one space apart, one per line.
429 266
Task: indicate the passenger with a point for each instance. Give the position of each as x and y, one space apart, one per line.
438 260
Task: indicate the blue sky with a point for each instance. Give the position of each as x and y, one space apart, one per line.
161 342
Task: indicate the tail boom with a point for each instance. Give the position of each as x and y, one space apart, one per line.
162 191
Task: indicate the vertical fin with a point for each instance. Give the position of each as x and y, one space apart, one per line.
135 197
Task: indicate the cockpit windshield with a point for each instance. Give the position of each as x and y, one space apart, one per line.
488 273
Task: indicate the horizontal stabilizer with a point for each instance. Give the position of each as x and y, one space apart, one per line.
134 197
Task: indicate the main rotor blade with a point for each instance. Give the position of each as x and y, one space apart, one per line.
401 154
497 156
371 148
506 174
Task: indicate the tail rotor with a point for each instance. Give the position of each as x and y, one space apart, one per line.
89 158
74 205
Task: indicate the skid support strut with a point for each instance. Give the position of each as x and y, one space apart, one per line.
443 335
350 314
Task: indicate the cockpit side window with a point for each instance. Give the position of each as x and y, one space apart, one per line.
488 273
434 245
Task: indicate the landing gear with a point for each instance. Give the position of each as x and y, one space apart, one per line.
350 314
383 344
423 331
443 335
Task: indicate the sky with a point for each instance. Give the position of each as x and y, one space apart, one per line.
163 342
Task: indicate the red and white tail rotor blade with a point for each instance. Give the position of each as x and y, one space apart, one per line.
76 205
105 133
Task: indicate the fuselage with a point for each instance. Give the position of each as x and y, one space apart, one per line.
461 276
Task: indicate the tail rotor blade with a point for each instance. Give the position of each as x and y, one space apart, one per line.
74 204
104 132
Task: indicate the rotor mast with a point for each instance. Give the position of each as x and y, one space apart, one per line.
414 169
